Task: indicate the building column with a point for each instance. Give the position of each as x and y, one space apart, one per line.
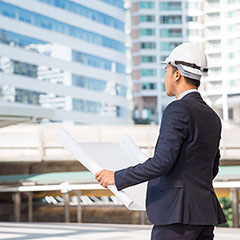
235 206
66 207
17 206
79 207
142 217
30 206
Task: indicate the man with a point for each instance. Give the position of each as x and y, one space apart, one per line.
181 202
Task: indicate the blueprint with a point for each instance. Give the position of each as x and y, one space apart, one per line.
112 156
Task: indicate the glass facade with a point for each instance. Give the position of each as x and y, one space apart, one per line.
57 76
86 12
56 82
50 24
98 62
17 40
28 97
99 108
115 89
48 49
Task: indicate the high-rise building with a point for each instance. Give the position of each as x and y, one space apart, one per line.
158 26
222 45
64 60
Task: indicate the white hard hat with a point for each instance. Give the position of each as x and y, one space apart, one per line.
190 60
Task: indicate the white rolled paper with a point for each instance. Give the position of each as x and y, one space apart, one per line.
69 143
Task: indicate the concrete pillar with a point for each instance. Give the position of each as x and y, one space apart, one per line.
30 207
79 207
17 206
142 217
235 206
66 207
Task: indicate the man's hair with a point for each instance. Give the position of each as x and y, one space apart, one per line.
189 81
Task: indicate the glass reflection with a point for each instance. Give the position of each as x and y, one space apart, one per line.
57 76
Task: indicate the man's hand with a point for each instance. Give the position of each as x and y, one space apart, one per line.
105 178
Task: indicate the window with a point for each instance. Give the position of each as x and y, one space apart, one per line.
171 33
115 3
192 19
233 1
234 55
148 4
148 45
89 83
57 26
214 43
148 59
27 96
213 1
214 30
234 27
193 32
171 19
148 72
122 112
192 5
234 68
215 70
168 46
170 6
234 41
215 55
147 18
7 10
25 69
163 58
147 32
87 12
233 83
24 17
98 62
149 86
86 106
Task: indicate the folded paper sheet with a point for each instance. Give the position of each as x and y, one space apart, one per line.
111 156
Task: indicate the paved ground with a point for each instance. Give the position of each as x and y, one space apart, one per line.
71 231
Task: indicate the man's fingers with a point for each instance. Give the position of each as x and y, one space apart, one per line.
99 178
104 178
98 174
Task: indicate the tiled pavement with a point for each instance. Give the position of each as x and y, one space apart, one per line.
74 231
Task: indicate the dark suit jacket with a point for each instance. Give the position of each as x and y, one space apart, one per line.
185 162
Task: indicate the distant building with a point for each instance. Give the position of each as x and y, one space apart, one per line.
64 60
222 45
159 26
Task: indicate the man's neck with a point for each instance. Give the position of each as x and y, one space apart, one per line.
180 91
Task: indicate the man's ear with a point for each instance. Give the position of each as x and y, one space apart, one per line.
177 75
